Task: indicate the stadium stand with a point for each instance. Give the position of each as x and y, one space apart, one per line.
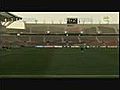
106 30
54 29
38 40
71 40
89 40
59 40
61 28
43 28
53 40
5 20
73 30
91 30
10 38
109 40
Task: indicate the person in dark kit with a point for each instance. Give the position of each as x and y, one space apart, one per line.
82 49
86 47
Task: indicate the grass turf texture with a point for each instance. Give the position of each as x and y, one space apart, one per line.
64 61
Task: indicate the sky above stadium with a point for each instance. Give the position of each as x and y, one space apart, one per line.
57 17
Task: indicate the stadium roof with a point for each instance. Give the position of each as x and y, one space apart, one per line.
8 16
16 25
60 17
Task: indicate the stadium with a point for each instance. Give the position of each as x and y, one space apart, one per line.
72 48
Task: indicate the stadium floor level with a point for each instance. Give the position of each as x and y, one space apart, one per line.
59 61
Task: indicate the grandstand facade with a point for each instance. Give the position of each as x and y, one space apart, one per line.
62 35
69 34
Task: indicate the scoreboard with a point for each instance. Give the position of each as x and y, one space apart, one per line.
72 20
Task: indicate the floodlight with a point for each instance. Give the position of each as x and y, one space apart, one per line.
18 34
48 31
99 32
65 31
81 32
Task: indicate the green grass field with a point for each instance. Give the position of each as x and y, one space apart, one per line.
63 61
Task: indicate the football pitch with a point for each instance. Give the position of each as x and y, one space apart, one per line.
59 61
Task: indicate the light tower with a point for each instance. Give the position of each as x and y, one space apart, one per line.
36 21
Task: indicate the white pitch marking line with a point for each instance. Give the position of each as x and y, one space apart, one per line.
59 76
